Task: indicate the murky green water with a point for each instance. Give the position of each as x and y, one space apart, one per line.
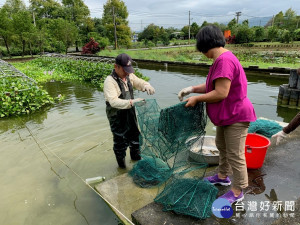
41 153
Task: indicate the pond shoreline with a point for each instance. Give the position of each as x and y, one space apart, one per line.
273 71
276 71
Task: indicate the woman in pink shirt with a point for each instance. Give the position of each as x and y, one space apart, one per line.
228 107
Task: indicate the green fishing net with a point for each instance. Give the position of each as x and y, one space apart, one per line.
188 196
264 127
165 142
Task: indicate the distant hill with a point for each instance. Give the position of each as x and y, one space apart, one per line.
259 21
256 21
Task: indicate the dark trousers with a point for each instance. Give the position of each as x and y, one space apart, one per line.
125 131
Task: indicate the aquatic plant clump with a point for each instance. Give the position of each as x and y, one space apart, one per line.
20 96
64 68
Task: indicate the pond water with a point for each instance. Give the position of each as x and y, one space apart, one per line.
46 156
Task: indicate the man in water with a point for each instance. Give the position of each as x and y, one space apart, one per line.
118 93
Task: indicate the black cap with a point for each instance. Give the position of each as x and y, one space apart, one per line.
125 61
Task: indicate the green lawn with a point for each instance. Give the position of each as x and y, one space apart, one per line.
247 56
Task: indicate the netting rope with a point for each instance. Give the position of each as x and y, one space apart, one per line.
166 138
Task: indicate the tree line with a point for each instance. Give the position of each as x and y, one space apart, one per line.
283 27
52 26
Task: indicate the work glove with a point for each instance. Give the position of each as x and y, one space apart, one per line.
184 92
136 101
279 136
150 90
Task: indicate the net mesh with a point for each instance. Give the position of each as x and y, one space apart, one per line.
188 196
166 138
264 127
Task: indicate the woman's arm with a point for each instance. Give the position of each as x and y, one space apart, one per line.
201 88
222 87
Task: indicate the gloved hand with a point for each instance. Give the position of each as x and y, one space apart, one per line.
133 102
279 136
150 90
184 92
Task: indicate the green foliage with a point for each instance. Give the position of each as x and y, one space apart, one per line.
245 23
14 6
185 31
77 12
23 27
165 38
150 33
64 31
21 96
259 34
102 41
99 27
50 68
6 28
155 34
268 57
46 9
244 34
286 36
272 33
205 23
194 29
286 21
149 44
119 9
297 34
231 24
54 26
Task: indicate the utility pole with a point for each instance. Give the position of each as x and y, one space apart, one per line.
238 14
116 43
273 21
189 26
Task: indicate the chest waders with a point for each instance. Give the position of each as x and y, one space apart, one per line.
123 125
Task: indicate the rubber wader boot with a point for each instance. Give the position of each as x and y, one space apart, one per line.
121 162
135 155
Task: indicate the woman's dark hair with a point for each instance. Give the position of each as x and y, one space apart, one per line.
209 37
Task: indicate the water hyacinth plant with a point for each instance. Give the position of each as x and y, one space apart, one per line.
50 68
21 96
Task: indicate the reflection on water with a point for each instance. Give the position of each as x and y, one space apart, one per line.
37 187
36 151
256 182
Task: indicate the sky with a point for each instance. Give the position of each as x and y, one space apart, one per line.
175 13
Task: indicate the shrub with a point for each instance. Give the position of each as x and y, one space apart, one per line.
286 37
91 48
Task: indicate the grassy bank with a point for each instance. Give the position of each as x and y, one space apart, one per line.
263 55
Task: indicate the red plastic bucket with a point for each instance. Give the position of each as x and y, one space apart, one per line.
255 150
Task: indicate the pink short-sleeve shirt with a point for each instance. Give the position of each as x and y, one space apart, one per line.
236 107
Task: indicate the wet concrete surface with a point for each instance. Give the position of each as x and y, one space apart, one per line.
272 197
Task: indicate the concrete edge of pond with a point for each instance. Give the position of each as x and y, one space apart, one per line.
276 174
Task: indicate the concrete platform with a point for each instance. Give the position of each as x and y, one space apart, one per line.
126 196
277 182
